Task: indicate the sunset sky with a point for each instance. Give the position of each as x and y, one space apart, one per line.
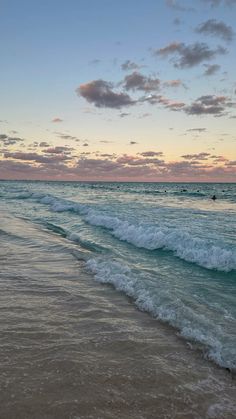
118 90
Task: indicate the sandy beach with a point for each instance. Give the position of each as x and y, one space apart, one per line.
74 348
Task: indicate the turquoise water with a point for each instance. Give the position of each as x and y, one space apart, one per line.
170 247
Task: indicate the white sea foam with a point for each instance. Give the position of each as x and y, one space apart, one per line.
164 306
191 249
153 237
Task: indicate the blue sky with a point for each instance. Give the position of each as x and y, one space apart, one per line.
112 80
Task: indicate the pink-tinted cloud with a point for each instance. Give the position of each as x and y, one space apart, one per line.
57 120
35 157
143 166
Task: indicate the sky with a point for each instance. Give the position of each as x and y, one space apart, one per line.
109 90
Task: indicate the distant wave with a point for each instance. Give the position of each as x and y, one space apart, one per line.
152 237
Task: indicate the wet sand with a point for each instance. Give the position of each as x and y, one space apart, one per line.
73 348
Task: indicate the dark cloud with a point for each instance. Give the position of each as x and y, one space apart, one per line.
7 141
129 65
189 55
135 161
209 105
151 153
35 157
133 142
216 28
211 69
43 144
101 94
137 81
124 114
58 150
108 155
199 156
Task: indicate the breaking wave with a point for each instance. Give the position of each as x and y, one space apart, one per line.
152 237
163 306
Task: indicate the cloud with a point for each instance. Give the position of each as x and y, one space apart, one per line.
215 3
58 150
135 161
173 105
177 21
95 61
133 142
219 159
169 49
105 141
151 153
137 81
189 55
43 144
174 83
231 163
196 129
213 27
56 120
144 115
112 167
211 69
199 156
38 158
101 94
129 65
7 141
209 105
67 136
176 5
124 114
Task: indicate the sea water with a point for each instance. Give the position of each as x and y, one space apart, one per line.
168 246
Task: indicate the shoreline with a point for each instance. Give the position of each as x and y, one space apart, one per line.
75 348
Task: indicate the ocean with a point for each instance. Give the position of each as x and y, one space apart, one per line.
121 267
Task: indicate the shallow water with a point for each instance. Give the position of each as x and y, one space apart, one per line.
169 247
74 348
